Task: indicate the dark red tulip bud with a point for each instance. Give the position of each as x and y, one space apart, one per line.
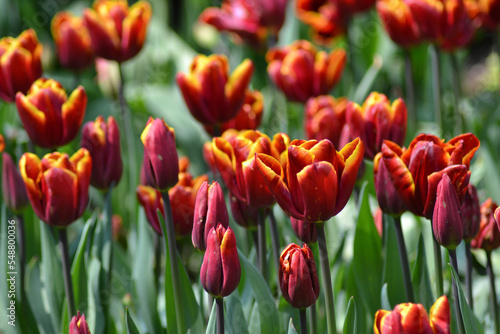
209 210
13 189
446 221
243 214
78 325
305 231
387 196
220 271
470 213
298 277
161 162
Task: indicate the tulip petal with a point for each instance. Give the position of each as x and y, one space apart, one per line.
134 29
237 85
257 193
440 317
73 111
191 91
30 167
468 148
353 157
83 162
225 162
105 40
212 271
60 189
230 261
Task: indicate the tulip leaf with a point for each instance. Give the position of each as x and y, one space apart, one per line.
212 320
36 299
235 315
268 312
291 327
393 273
470 321
420 277
95 312
131 327
353 290
384 297
350 318
367 259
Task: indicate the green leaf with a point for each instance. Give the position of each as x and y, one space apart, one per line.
291 327
95 312
367 259
468 317
386 304
420 277
350 318
235 315
268 312
393 274
36 299
131 327
212 321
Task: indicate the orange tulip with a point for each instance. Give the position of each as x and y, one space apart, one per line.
488 237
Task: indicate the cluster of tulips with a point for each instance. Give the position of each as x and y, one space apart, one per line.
310 179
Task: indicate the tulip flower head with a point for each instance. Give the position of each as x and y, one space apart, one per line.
117 32
78 325
377 120
470 213
50 117
102 140
412 318
317 181
211 94
13 189
488 237
387 196
251 21
484 13
72 39
300 71
220 270
298 276
57 185
20 64
161 162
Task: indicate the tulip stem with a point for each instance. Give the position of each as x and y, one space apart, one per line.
493 292
220 315
255 238
436 86
276 242
458 313
261 231
327 280
68 285
313 327
403 258
468 275
438 267
169 235
410 89
158 259
303 321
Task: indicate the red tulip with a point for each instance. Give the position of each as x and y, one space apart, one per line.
57 185
470 213
252 21
211 95
102 140
161 163
317 181
220 270
399 22
387 195
50 118
377 120
298 277
324 118
209 211
300 71
488 237
13 189
20 64
78 325
484 13
458 28
305 231
117 31
72 39
416 172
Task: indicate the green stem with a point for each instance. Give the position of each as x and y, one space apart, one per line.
468 275
220 315
458 313
107 251
169 236
313 327
327 280
66 265
273 227
255 238
493 292
438 268
410 90
436 86
403 258
303 321
261 231
158 260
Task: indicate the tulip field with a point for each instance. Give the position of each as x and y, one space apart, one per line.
250 166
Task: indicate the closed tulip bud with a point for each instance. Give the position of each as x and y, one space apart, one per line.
377 120
440 316
102 140
78 325
209 211
458 28
488 237
57 185
324 118
399 22
253 22
161 162
50 117
470 213
20 64
72 39
220 270
387 196
446 220
429 17
211 94
117 31
305 231
243 214
13 189
300 71
298 277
